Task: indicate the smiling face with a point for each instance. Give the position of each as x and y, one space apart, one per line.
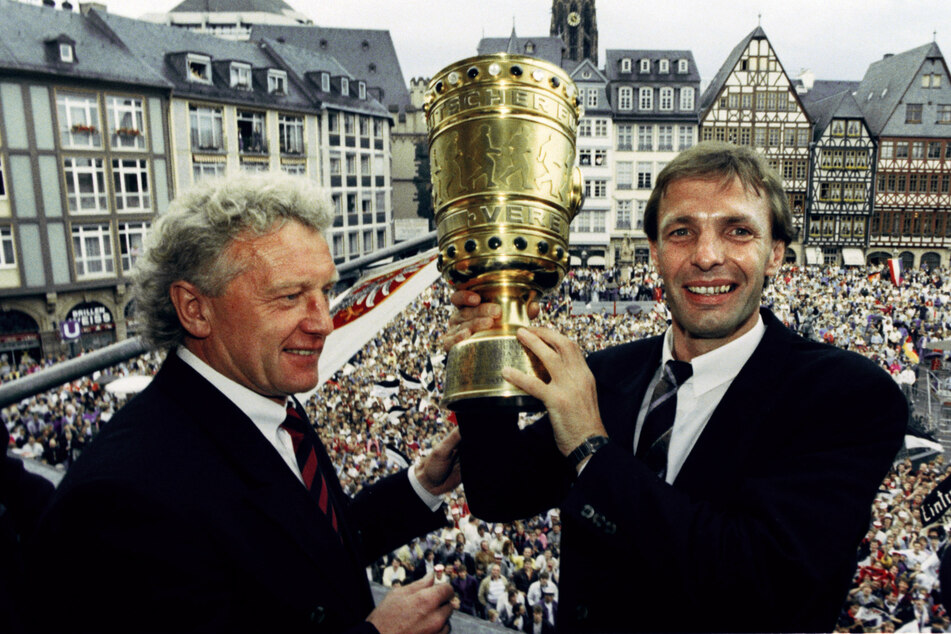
714 249
267 329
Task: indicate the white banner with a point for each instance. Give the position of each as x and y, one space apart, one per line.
367 306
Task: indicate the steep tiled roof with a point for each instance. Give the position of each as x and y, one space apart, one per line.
887 80
544 47
613 57
226 6
25 29
840 106
823 89
368 54
716 84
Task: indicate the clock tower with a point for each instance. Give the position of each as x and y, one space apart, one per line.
575 22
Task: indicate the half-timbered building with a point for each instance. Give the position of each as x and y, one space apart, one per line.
751 101
906 99
839 199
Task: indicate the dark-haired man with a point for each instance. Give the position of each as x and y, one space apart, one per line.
730 462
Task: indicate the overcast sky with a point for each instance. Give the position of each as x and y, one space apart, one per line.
836 39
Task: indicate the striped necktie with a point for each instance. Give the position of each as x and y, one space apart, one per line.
655 433
307 462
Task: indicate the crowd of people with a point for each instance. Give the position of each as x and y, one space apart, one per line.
509 573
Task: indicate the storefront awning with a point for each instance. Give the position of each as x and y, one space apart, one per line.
813 255
853 257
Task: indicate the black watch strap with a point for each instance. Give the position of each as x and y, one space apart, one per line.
590 445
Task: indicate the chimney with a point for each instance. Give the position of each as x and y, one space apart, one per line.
86 7
49 3
887 55
66 5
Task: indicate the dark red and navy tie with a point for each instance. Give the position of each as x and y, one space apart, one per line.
307 462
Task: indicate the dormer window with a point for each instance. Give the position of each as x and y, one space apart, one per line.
276 82
681 66
664 66
199 68
626 65
325 82
362 90
240 76
645 66
344 86
529 48
66 53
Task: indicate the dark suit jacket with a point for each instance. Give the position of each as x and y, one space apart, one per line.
759 530
180 516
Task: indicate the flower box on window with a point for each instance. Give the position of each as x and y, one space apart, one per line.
129 132
80 127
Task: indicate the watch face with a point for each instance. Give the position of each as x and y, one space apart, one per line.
574 19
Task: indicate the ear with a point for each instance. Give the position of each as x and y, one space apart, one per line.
192 307
776 256
653 249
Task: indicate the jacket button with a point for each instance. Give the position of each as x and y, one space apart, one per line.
581 612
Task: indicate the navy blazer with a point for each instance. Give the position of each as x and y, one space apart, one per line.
759 530
181 516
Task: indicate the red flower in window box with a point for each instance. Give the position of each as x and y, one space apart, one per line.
80 127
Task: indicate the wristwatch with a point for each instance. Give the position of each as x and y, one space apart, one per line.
590 445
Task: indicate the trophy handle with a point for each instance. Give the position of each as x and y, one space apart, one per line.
576 195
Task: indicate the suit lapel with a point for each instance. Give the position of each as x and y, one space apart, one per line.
621 391
733 427
271 486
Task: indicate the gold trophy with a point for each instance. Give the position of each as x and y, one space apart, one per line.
502 134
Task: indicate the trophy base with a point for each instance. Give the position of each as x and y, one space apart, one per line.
474 373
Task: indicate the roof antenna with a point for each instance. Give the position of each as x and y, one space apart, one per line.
759 19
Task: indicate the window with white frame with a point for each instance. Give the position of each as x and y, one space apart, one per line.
276 82
625 134
206 128
625 98
686 137
240 76
353 240
624 174
362 93
66 53
645 97
644 175
364 124
380 238
92 250
595 188
645 138
367 241
584 127
665 138
290 129
130 178
667 98
125 119
622 219
664 66
626 65
78 120
380 204
335 165
252 133
591 98
85 185
199 68
207 170
601 127
325 82
344 86
349 127
682 66
131 237
584 157
338 245
686 98
645 66
8 259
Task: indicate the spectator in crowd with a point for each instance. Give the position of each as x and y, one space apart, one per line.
492 587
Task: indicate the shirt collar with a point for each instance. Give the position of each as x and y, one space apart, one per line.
262 411
721 364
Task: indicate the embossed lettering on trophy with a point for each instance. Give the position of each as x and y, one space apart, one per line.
502 132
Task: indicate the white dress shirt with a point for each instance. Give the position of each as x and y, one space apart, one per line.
713 373
268 415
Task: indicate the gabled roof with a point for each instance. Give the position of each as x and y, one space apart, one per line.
157 45
838 106
25 29
613 57
302 61
716 84
227 6
823 89
367 54
887 80
550 49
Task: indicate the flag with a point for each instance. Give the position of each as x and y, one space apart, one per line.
385 388
370 304
875 277
894 269
410 381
